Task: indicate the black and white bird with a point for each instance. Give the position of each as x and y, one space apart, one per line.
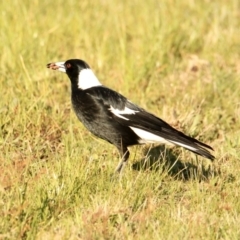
112 117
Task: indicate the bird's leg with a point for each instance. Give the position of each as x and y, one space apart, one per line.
124 158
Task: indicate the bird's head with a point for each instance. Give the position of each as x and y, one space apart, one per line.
78 71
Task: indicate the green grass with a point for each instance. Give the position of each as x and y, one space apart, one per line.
178 59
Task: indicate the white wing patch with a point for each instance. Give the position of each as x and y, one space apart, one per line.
147 137
184 145
118 112
87 79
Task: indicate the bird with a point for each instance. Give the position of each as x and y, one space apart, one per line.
109 115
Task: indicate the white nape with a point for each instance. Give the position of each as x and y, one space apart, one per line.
118 112
147 137
87 79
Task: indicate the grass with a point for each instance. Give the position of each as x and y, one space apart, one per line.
178 59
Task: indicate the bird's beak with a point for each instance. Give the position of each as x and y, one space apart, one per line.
57 66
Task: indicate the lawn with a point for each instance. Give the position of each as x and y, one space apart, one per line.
179 60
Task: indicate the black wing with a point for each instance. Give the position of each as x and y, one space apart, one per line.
110 97
141 119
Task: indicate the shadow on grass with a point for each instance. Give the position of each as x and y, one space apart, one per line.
162 159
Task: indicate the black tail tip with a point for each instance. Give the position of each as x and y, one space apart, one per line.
212 158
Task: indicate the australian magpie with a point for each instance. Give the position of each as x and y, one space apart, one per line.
112 117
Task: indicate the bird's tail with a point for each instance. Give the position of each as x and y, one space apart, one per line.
195 146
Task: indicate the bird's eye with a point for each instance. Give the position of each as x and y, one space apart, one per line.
68 65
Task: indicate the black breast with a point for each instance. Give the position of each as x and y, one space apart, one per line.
95 115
